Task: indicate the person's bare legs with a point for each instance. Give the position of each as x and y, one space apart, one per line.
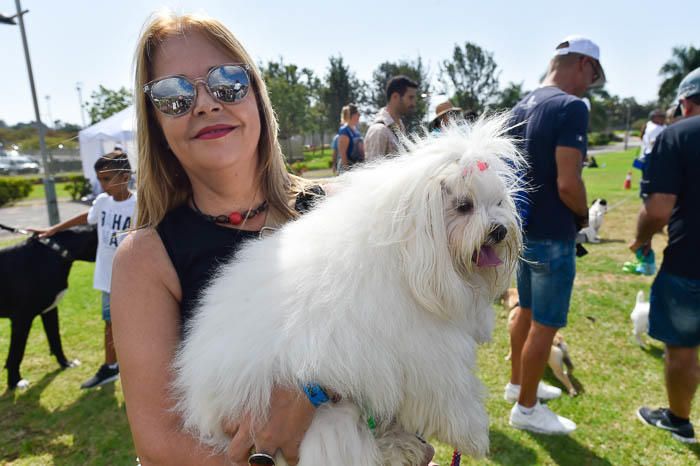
110 352
682 376
519 329
535 354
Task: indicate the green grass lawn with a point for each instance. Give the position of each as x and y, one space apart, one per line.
54 422
39 193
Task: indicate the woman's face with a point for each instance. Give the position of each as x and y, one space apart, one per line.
212 135
355 120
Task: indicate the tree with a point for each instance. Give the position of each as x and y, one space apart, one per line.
106 102
289 94
683 61
412 69
470 77
340 88
509 97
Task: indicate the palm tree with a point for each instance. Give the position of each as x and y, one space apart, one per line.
683 61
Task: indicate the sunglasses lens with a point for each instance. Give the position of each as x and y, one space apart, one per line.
172 96
229 83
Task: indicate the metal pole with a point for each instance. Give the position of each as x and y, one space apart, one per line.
80 100
627 127
49 187
48 110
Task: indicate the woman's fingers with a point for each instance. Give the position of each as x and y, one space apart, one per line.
241 443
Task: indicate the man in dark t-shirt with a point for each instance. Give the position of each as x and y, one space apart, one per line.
551 122
671 191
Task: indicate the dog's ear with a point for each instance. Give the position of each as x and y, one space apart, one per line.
426 256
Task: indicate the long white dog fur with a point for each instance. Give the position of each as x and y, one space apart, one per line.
381 294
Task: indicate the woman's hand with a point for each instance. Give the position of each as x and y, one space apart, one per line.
290 416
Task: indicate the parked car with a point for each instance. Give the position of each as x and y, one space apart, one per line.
17 165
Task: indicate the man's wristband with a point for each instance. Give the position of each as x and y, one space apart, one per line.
316 394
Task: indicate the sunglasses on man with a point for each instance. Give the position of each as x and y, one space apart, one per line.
175 95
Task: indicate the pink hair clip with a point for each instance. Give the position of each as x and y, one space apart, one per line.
482 165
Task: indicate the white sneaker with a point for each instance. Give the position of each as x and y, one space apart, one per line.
542 420
544 392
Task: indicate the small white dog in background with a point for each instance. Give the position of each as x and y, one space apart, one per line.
640 318
596 213
381 294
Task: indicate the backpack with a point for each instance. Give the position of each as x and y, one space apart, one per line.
356 153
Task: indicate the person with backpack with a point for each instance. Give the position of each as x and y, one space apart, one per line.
384 134
350 144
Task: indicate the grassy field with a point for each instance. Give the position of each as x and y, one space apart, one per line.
38 192
53 422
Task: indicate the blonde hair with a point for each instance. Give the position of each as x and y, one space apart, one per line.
347 112
162 181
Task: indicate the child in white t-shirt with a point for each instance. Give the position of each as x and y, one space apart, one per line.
112 212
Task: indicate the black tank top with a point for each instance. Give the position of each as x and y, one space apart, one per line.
197 247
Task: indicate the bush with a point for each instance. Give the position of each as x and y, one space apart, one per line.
601 139
12 189
78 186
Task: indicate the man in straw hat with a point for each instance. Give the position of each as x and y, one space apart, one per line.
444 112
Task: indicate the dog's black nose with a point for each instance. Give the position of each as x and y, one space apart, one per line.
498 233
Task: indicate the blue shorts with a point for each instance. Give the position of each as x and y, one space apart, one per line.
546 275
674 310
105 307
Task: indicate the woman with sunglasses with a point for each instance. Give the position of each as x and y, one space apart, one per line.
210 176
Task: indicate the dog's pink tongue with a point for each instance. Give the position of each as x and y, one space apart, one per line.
487 257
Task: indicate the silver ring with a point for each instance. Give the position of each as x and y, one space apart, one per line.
262 459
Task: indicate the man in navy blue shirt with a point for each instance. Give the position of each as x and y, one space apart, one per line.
553 124
671 195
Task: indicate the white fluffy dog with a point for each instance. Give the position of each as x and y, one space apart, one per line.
640 318
595 221
381 294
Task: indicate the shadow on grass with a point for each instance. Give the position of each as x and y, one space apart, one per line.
91 430
654 351
564 449
695 448
609 240
505 450
552 380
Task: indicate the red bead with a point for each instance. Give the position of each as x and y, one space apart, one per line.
235 218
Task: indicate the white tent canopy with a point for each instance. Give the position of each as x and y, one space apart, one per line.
100 139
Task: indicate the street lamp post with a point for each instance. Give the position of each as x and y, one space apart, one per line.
49 188
48 110
79 88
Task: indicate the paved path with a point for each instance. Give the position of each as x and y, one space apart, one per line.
34 214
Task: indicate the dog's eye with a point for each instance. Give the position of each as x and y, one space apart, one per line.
500 203
464 205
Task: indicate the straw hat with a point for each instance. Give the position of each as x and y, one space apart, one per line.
440 110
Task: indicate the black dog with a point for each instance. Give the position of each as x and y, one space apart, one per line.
33 278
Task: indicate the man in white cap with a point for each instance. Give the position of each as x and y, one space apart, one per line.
671 195
552 123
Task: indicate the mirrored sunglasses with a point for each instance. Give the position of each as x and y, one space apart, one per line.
175 95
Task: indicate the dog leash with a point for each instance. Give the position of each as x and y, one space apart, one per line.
14 230
48 242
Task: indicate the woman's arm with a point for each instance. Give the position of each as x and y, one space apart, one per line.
146 324
343 145
145 320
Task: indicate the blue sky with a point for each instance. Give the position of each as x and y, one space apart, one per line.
92 42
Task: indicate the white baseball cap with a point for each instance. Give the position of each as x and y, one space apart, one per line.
583 46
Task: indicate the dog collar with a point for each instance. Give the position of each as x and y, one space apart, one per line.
57 248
